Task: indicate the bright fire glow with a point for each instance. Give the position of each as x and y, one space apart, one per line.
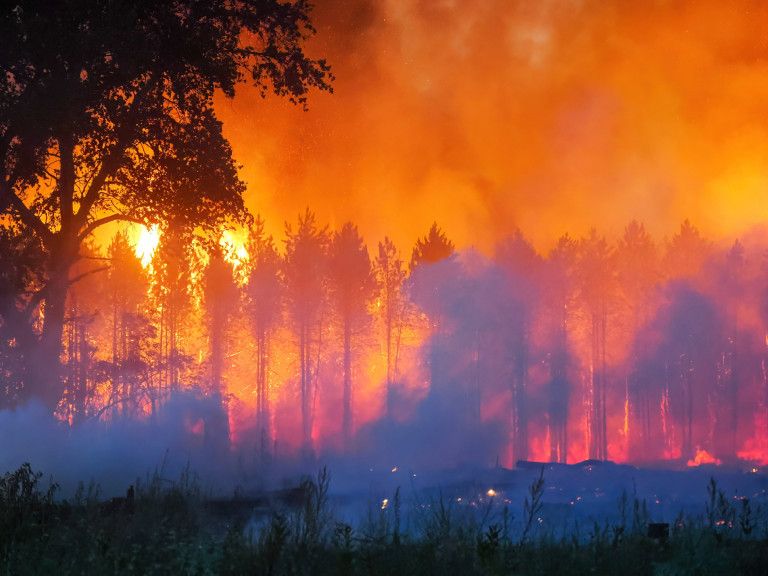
147 243
234 247
756 448
703 457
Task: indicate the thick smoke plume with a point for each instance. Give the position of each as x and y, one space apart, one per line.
550 116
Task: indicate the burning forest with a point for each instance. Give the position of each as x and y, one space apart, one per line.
630 349
487 236
455 248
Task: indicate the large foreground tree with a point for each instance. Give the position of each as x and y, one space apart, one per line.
106 114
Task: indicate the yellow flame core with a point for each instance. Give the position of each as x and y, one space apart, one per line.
147 244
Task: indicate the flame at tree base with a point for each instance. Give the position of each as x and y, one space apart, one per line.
703 457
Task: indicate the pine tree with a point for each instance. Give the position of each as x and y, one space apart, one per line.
264 303
305 269
353 286
390 276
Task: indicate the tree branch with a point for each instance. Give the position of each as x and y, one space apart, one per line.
28 217
86 274
66 187
112 162
89 229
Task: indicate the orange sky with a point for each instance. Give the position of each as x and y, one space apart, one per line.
554 116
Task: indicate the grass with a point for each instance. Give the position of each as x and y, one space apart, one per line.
173 528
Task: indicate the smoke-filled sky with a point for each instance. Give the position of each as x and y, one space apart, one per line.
554 116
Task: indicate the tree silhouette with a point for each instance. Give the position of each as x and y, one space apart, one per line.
21 262
686 252
127 293
171 294
433 248
220 297
432 270
691 332
390 275
597 288
264 298
305 270
353 286
729 284
522 268
638 275
560 282
106 114
81 326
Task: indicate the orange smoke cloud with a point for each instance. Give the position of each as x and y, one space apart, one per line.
552 116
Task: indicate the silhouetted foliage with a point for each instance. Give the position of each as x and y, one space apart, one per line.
306 272
390 276
107 114
264 304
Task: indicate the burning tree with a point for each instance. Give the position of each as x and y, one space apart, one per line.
107 114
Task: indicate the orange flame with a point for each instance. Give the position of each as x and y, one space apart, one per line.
703 457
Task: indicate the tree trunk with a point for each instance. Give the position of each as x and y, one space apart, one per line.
44 364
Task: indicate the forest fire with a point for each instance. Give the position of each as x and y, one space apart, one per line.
500 350
561 308
500 269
